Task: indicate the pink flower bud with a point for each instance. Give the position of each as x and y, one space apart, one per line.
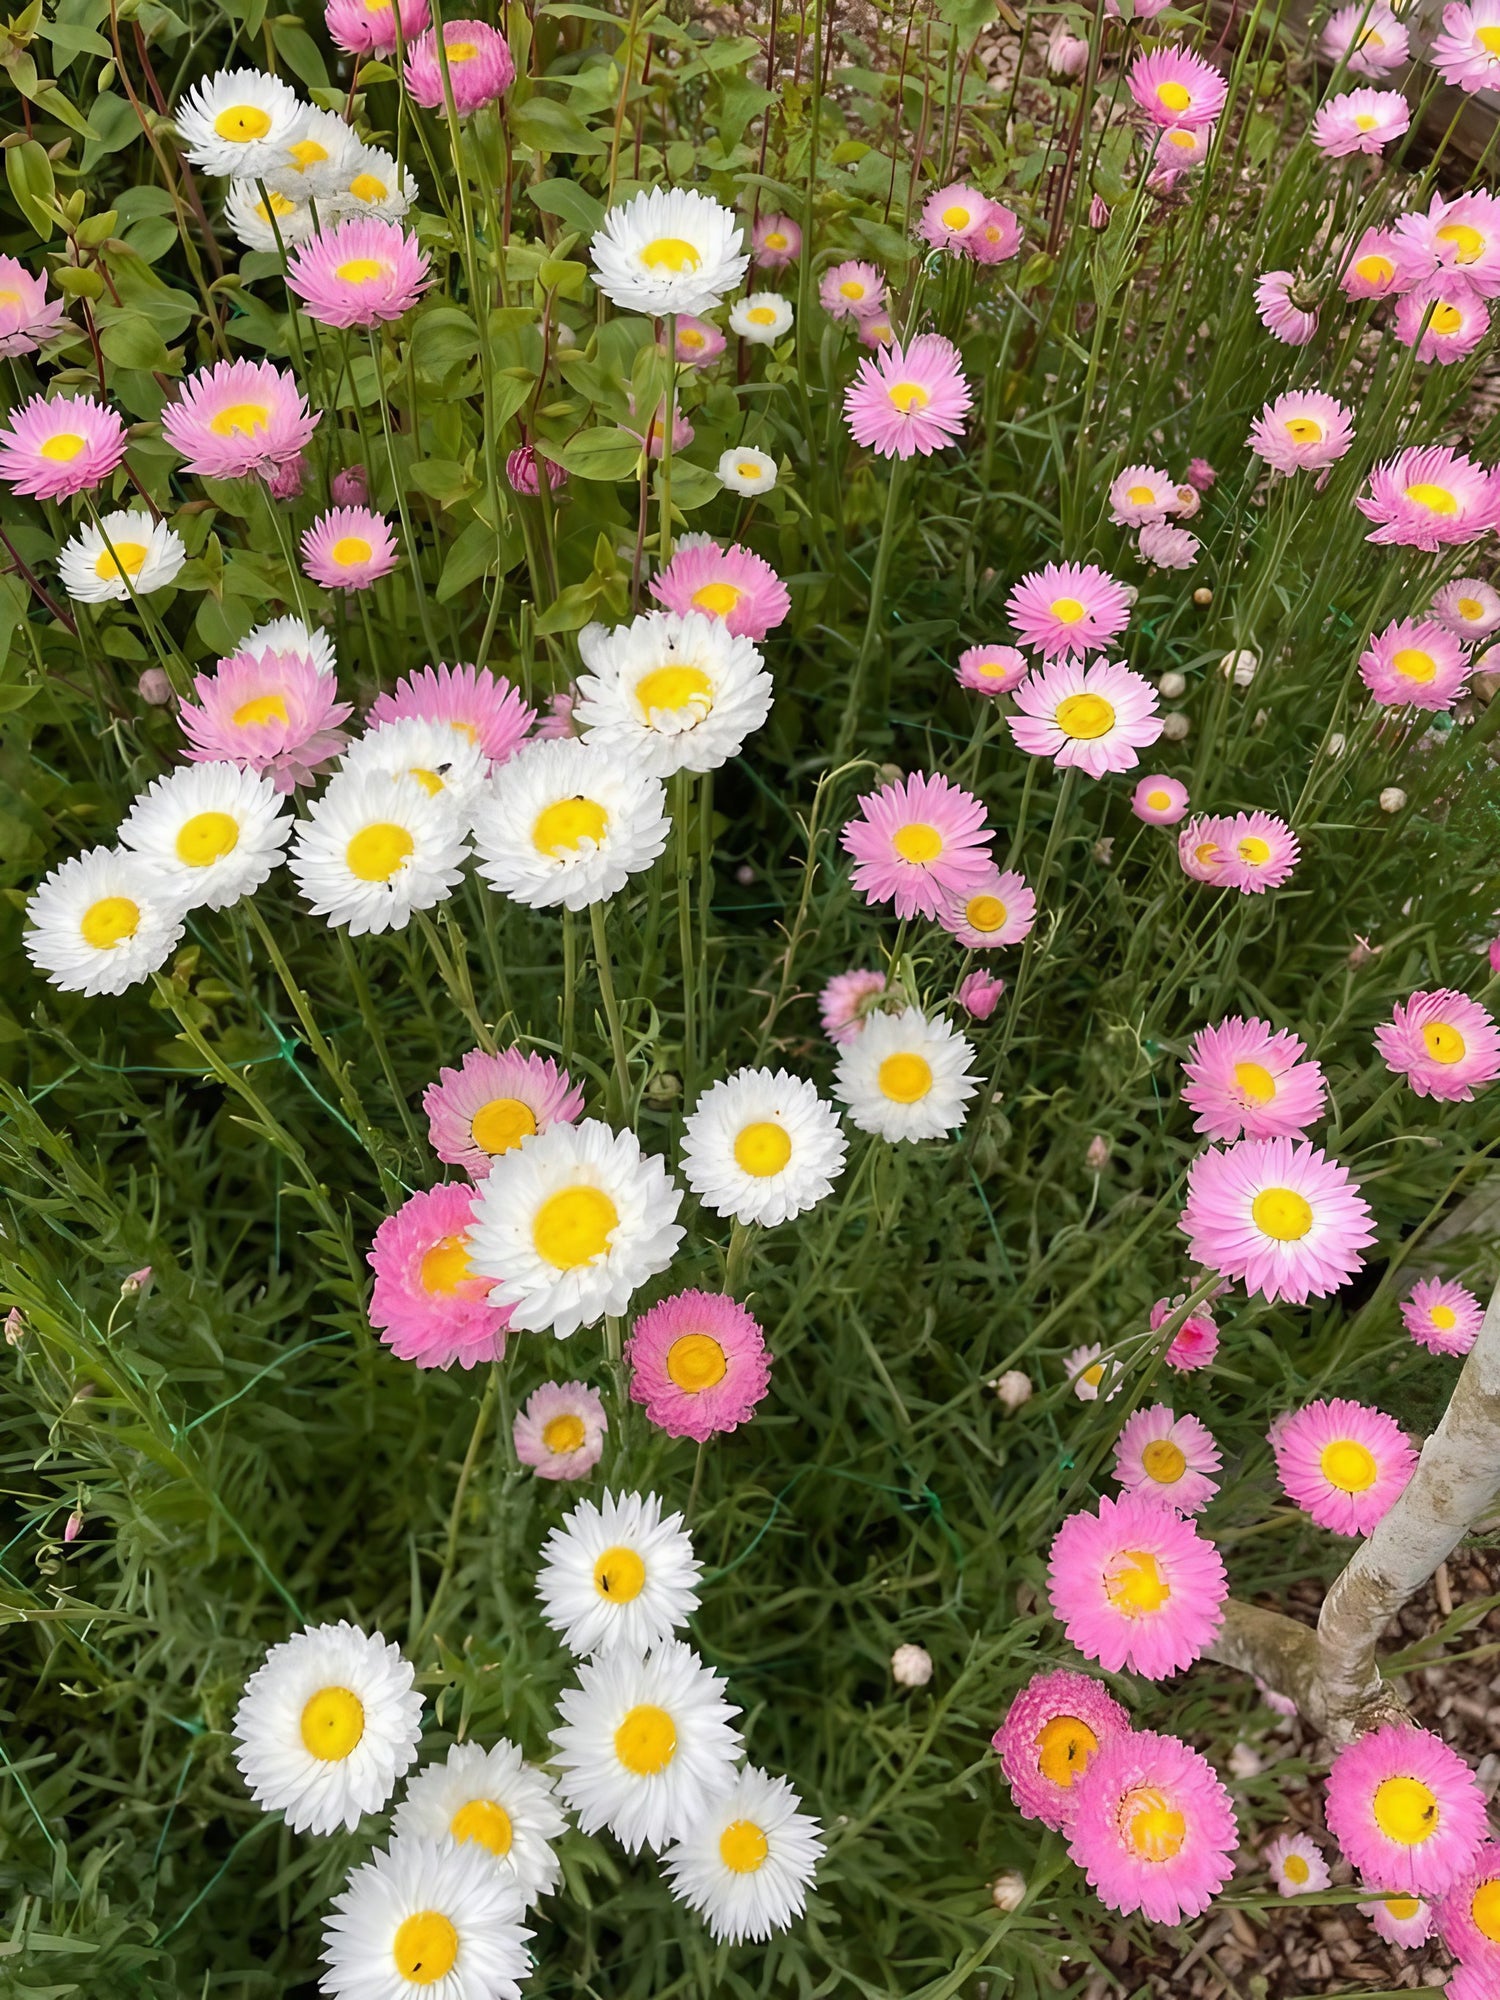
526 470
154 688
980 994
1097 1157
350 488
1495 954
137 1284
74 1528
1201 474
284 482
1098 213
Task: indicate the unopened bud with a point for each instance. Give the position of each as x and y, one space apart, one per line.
1096 1159
1104 850
1239 667
1098 213
15 1327
1008 1891
1203 595
1392 799
137 1284
74 1528
154 688
911 1666
1012 1389
1173 685
1175 727
744 874
1338 743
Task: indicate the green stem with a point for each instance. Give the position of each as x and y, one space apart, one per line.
611 1009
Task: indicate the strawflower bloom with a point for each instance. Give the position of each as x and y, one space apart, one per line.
51 450
1067 53
266 222
762 319
568 823
1342 1463
1071 609
375 185
1468 1917
101 922
237 122
128 554
27 315
877 329
997 909
671 691
1167 546
1442 1316
349 548
1154 1829
698 1364
559 1430
1091 1374
360 272
1468 607
746 471
211 832
1443 1043
1136 1587
1089 718
1195 1342
1467 52
1360 121
268 710
490 1103
1302 431
1443 318
747 1859
479 62
1279 313
1051 1734
916 843
775 241
1175 87
979 995
906 1077
907 401
1203 848
429 1305
361 27
732 584
1406 1810
948 215
672 250
1460 238
1428 497
1372 40
696 342
422 1919
1180 147
846 1002
375 848
1260 852
479 704
996 236
494 1801
1296 1865
618 1576
1415 663
761 1147
851 291
1140 494
1407 1921
1248 1080
1160 800
1278 1214
1372 271
1167 1458
991 669
238 418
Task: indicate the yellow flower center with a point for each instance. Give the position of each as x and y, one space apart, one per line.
762 1149
669 689
955 216
350 550
485 1821
743 1847
1151 1824
1470 608
109 922
502 1123
1206 853
1255 1082
1445 319
564 826
368 188
748 469
1164 1461
1063 1748
128 558
1489 40
908 396
1254 851
1295 1868
1484 1905
378 850
1141 496
1436 499
280 205
9 297
690 338
240 123
775 239
425 1948
1085 716
917 841
1093 1374
260 708
619 1575
461 52
1304 430
244 418
646 1741
445 1266
1405 1810
1375 269
984 913
307 152
333 1723
1468 244
851 288
1158 801
1134 1583
762 315
206 838
1443 1317
696 1362
1175 96
62 447
563 1434
1281 1213
1402 1908
1414 664
1068 609
1443 1042
905 1078
670 253
573 1227
1363 122
430 782
718 598
360 270
1183 141
1348 1465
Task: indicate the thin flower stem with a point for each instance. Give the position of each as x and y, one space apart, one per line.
854 698
482 1416
611 1009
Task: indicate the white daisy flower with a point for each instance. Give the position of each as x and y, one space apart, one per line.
441 759
567 822
101 922
762 319
292 635
906 1077
211 832
237 122
746 1861
316 159
745 470
373 849
673 692
249 214
570 1222
126 555
670 251
423 1920
643 1742
326 1726
374 184
496 1800
762 1146
618 1575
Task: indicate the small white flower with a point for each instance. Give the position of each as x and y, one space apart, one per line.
291 635
644 1742
762 1146
126 555
373 849
1296 1862
762 319
745 470
673 250
495 1800
326 1726
1092 1374
372 184
746 1861
570 1222
906 1077
423 1920
618 1575
911 1666
237 122
267 221
101 922
673 693
567 822
212 832
442 760
316 158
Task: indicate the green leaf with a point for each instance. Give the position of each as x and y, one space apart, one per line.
970 17
692 485
17 695
571 609
53 104
442 339
29 174
470 556
549 127
132 341
300 53
442 479
567 199
602 454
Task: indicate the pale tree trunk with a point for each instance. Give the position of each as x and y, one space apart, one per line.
1332 1673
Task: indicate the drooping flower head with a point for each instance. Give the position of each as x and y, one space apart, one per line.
1296 1865
1068 609
52 449
429 1305
238 418
1442 1316
1415 663
846 1002
1167 1458
1203 848
363 27
27 315
998 909
1407 1921
1427 497
1180 147
1136 1587
1166 546
1195 1342
1089 718
907 401
1360 121
1280 312
1154 1829
672 250
479 704
559 1430
979 994
1093 1374
1248 1080
776 240
698 1364
1467 52
1468 607
1050 1735
732 584
1368 39
851 291
1302 431
268 710
991 669
1406 1810
1173 86
1444 318
490 1103
1160 800
359 272
1445 1044
1278 1214
479 64
1342 1463
1260 852
916 843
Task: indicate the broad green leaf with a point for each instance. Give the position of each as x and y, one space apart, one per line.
603 454
549 127
29 174
567 199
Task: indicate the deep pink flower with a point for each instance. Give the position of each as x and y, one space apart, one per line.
979 994
480 67
997 908
698 1364
1247 1080
908 401
238 418
349 548
1429 497
480 704
1176 87
1049 1737
1195 1342
1415 663
991 669
996 237
1372 271
1443 1043
1468 1917
1444 318
916 843
51 450
525 470
1153 1829
361 27
1260 852
1201 474
490 1103
1279 1214
732 584
360 272
1168 547
1406 1810
1342 1463
351 487
428 1305
1136 1587
1068 609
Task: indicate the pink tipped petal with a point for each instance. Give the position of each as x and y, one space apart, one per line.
428 1304
1342 1463
1445 1045
1279 1215
1050 1735
1406 1810
1247 1080
1093 719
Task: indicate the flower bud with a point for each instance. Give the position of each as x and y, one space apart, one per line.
154 688
1240 667
1173 686
1008 1890
1013 1388
1392 799
1175 727
911 1666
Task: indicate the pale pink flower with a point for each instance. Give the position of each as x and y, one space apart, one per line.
1415 663
1369 39
480 704
1467 52
1090 718
1071 609
948 215
1278 1214
1168 1458
1280 312
1260 852
776 241
1203 848
1248 1080
916 843
991 669
1067 53
1459 237
268 710
697 343
27 315
360 272
1428 497
1360 121
996 236
490 1103
851 290
996 909
238 418
51 450
349 548
559 1430
1443 1317
1159 800
1302 430
1168 547
907 401
1140 493
847 1001
1443 318
1296 1865
1468 607
733 584
1445 1044
1373 270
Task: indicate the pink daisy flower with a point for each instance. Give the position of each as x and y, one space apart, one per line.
731 584
559 1430
1167 1458
1372 271
1260 852
916 843
27 315
525 470
1153 1829
1072 609
1443 318
1406 1810
1296 1865
991 669
979 994
1414 663
1175 87
348 548
1203 848
949 214
1302 431
1278 311
1468 1917
851 291
1468 607
1442 1316
1368 39
1341 1463
1280 1215
1360 121
558 720
1049 1737
480 67
1443 1043
51 450
1460 238
1067 53
697 343
1467 52
1430 496
996 236
491 1103
1091 718
698 1364
1136 1587
1201 474
654 437
1168 547
1159 800
479 704
847 1001
1183 146
428 1305
284 482
876 330
266 711
998 908
1470 1982
1140 493
1248 1080
1195 1342
359 272
1404 1920
907 401
361 27
776 241
238 418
